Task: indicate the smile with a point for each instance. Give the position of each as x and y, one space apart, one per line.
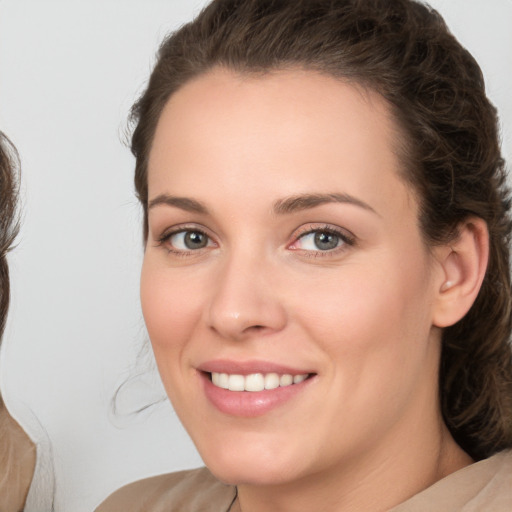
255 382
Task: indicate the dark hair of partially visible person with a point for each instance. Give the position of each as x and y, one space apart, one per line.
17 452
9 224
448 144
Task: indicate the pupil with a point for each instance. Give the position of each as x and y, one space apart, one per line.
325 241
195 240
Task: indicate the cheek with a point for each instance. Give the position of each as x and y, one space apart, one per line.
171 310
377 313
372 324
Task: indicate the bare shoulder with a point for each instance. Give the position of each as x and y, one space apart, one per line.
196 490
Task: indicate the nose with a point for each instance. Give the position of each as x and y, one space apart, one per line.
245 301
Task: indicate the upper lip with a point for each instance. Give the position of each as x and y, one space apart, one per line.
248 367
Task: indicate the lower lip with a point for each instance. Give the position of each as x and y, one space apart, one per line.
250 404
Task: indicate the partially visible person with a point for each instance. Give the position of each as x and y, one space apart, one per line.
19 490
17 462
17 451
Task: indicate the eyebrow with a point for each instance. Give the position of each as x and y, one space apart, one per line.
307 201
281 207
184 203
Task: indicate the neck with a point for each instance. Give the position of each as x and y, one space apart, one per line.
367 481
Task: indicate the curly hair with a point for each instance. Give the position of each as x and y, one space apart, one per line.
17 452
8 218
449 150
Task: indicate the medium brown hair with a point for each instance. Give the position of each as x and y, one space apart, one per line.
450 151
8 218
17 452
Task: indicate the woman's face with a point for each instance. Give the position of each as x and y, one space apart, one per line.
284 252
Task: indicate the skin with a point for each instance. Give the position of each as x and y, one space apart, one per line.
364 317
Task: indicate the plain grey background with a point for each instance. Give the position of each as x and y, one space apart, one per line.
69 72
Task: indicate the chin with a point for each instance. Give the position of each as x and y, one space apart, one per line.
253 474
252 465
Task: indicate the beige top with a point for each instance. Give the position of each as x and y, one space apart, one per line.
485 486
17 462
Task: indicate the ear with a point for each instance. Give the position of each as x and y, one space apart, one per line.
462 265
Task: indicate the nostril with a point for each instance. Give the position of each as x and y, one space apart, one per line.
255 328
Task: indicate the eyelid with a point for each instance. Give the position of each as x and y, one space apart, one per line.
181 228
348 239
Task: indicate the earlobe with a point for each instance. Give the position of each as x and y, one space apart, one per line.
463 264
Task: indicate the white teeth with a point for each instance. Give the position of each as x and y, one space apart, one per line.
236 383
299 378
255 381
224 380
271 381
286 380
221 380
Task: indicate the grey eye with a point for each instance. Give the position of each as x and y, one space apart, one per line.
189 240
195 240
326 241
319 240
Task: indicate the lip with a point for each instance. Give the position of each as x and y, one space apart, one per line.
248 367
250 404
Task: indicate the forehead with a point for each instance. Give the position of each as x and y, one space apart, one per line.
296 126
300 94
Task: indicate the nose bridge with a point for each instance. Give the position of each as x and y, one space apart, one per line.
244 299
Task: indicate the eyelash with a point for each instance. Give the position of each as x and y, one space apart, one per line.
347 240
167 235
